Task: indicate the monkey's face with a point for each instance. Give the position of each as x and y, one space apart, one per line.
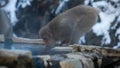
47 36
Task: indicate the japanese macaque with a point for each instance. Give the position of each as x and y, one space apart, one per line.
5 26
69 26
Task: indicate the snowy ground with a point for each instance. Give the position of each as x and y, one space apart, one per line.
108 14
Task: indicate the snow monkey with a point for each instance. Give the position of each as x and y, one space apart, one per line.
5 26
69 26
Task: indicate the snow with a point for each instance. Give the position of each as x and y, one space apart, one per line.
103 27
82 40
117 46
107 15
99 4
44 57
116 23
61 4
2 2
10 9
24 3
106 39
118 33
119 19
86 2
115 0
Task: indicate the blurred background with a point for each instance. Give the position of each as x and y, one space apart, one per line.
28 16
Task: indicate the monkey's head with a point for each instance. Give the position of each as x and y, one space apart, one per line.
47 36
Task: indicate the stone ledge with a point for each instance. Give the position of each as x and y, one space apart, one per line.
80 57
75 56
22 40
15 59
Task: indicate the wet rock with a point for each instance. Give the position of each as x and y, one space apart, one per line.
15 59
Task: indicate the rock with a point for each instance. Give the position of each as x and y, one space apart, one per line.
70 60
15 58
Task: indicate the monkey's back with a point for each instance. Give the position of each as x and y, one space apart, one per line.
73 23
80 18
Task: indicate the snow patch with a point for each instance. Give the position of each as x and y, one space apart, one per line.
24 3
103 27
106 39
2 2
118 33
119 19
99 4
117 46
62 3
82 40
10 9
86 2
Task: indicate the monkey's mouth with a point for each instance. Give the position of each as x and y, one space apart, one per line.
46 42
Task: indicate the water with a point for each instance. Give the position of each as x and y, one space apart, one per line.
36 49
